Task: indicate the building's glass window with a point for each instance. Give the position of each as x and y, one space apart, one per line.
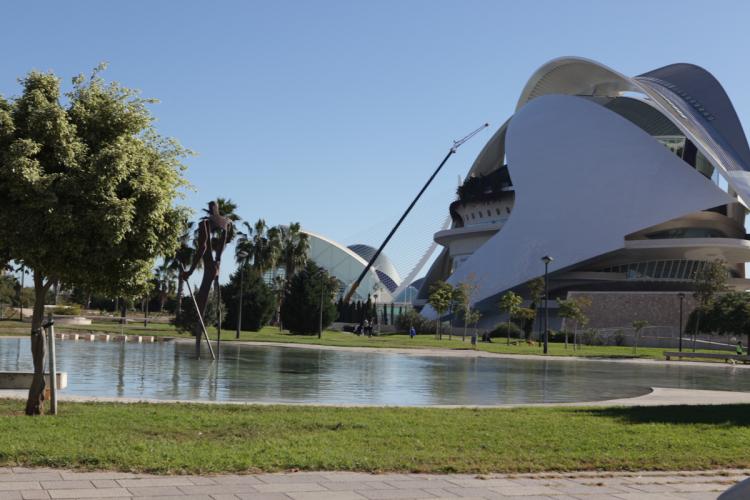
677 270
703 166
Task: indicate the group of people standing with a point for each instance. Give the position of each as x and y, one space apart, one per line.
366 327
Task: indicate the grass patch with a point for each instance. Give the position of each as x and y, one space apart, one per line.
185 438
333 338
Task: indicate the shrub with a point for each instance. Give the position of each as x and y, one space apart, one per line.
67 310
591 337
559 336
412 317
501 330
188 320
619 337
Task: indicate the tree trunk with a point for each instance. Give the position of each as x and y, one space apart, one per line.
179 297
527 332
123 311
697 324
507 331
35 402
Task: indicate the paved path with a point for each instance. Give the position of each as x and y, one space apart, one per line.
659 396
19 483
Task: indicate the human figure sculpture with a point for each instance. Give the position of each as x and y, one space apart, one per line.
214 230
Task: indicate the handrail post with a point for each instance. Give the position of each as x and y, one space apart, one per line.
50 326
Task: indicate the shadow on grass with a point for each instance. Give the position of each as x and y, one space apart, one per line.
683 414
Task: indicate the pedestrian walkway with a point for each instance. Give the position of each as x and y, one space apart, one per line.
19 483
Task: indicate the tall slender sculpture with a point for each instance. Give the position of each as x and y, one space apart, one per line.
213 232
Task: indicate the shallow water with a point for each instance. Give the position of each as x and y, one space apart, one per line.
167 370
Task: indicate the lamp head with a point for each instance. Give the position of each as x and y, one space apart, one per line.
547 259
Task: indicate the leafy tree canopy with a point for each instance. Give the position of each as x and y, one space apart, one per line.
88 190
258 300
729 314
441 295
300 310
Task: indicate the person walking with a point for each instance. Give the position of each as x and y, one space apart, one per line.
740 350
412 332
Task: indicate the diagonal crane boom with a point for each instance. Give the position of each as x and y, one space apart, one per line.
456 145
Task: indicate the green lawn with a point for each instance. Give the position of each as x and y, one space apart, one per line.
332 338
168 438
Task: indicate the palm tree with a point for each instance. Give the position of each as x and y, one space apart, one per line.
165 275
228 209
245 245
182 259
294 247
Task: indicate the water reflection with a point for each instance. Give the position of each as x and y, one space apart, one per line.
277 374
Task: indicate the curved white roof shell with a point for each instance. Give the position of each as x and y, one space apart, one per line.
686 94
383 266
346 266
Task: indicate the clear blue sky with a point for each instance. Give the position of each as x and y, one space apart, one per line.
334 113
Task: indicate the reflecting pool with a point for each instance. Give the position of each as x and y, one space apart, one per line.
167 370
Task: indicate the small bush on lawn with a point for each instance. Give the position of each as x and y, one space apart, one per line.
420 323
67 310
501 331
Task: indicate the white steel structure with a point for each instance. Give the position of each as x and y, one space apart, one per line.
629 183
346 264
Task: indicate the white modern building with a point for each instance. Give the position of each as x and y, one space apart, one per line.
629 183
347 263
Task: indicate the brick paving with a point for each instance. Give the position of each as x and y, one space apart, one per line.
19 483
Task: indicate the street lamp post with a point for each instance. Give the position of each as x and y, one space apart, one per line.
322 289
682 299
243 256
546 259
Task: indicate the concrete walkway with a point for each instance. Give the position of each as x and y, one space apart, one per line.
658 396
19 483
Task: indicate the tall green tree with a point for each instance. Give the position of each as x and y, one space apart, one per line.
536 291
458 299
182 258
469 288
510 303
262 245
472 317
87 193
441 295
301 308
573 309
728 314
294 248
258 299
165 276
708 281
